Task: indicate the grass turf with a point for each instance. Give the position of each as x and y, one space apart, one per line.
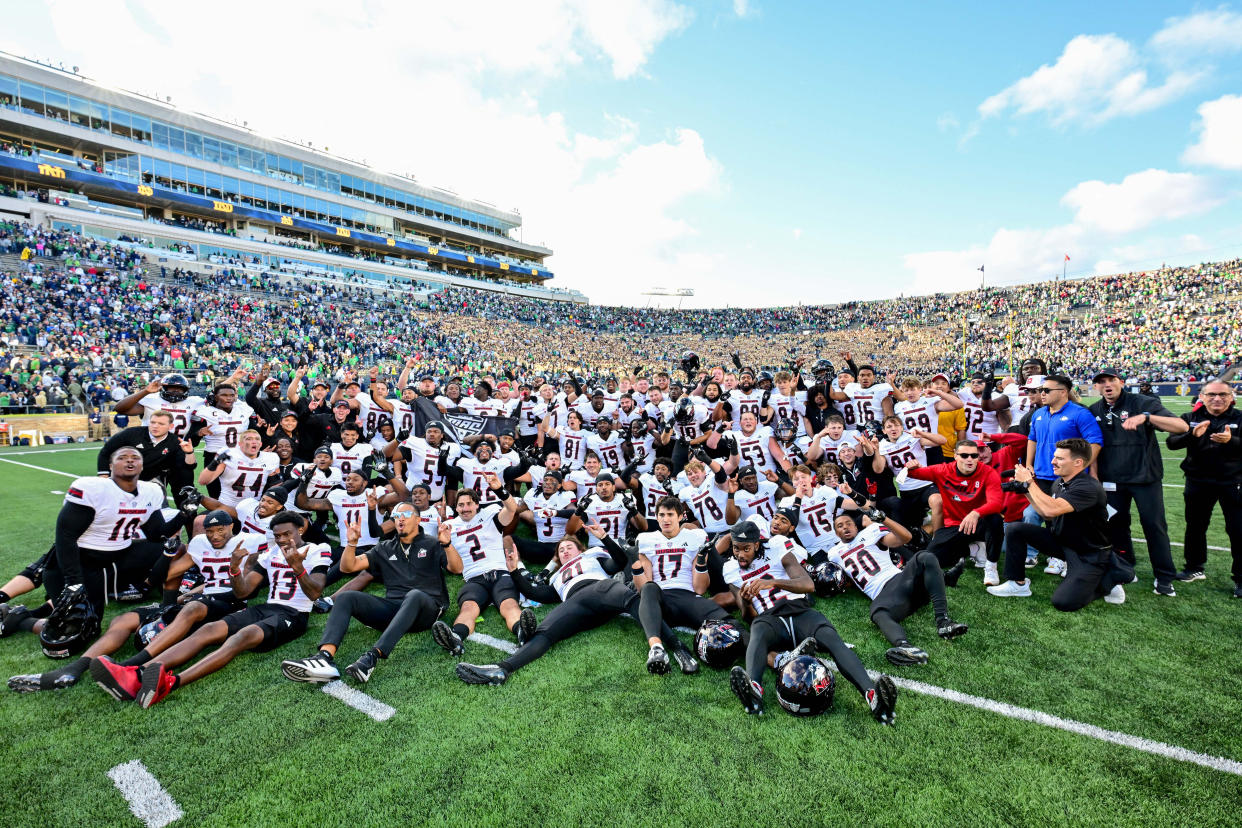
585 735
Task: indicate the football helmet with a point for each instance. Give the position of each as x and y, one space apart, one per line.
805 686
638 429
684 412
829 579
689 362
144 634
786 430
71 627
174 387
718 643
822 369
872 429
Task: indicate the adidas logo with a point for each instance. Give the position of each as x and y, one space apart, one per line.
392 557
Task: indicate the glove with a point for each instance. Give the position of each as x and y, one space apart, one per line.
701 456
540 578
875 515
70 595
628 501
767 395
581 509
737 359
403 435
217 460
190 496
729 444
722 426
172 546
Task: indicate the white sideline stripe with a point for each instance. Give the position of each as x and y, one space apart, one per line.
359 700
1023 714
495 643
1166 751
53 451
39 468
1175 543
146 796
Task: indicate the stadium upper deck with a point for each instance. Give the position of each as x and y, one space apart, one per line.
154 161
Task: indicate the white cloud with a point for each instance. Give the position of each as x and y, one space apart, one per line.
797 233
1096 78
1140 200
1209 32
947 122
742 8
451 92
1220 134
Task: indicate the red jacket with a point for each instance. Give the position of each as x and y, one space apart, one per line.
1009 455
980 492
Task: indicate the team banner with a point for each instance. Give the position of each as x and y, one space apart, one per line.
458 426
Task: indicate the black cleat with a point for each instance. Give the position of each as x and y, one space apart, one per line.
526 626
905 655
33 683
492 674
657 660
1237 591
685 659
361 669
953 573
130 594
806 646
947 628
11 617
882 700
443 635
748 692
322 605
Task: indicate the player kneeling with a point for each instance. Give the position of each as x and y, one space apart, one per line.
411 567
770 590
895 592
295 573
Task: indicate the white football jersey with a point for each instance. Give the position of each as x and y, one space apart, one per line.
577 570
224 425
424 465
181 412
864 403
350 459
706 504
244 476
429 518
644 447
248 514
741 401
472 475
755 449
765 564
789 408
479 542
897 454
548 527
654 491
490 407
978 421
610 514
817 513
921 413
609 451
1020 399
868 564
672 559
214 563
762 502
370 416
283 586
695 427
348 508
529 412
403 418
573 446
830 447
590 417
119 514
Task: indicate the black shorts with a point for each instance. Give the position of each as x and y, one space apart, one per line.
218 605
792 621
902 595
280 624
683 608
490 588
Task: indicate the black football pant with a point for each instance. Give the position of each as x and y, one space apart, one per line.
104 572
416 612
588 606
533 551
681 456
1201 499
659 607
950 544
213 488
783 627
1149 499
1087 577
920 580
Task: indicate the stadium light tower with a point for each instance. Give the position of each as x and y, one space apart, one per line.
680 293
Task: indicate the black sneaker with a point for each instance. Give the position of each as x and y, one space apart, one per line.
1237 591
1164 588
657 660
33 683
906 654
947 628
481 673
953 573
748 692
130 594
526 626
686 661
1189 575
443 635
11 617
883 699
321 606
361 669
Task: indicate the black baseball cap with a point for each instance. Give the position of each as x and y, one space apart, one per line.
217 518
605 477
339 403
1107 372
555 474
791 514
320 384
746 471
746 532
288 412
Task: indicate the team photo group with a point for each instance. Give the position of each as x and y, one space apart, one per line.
721 507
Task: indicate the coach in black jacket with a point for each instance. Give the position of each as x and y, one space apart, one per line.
165 459
1132 470
1213 468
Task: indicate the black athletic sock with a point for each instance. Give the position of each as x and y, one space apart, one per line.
137 659
176 683
463 632
76 668
4 597
378 653
514 628
41 611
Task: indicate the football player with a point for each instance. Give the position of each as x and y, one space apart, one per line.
817 507
753 497
548 509
827 442
295 572
572 439
705 495
426 459
348 454
921 407
983 406
895 451
770 589
895 592
477 537
171 394
604 507
243 472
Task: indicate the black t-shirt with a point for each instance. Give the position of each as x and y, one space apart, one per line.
418 566
1085 530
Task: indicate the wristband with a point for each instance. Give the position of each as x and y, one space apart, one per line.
299 574
233 573
700 567
637 569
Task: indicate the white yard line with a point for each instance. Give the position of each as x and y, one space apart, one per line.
39 468
146 796
360 701
495 643
94 448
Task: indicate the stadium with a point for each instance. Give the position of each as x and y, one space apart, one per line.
336 502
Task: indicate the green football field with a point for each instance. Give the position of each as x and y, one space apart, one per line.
585 736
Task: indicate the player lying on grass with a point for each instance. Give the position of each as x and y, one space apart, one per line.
771 591
895 592
178 615
477 538
411 565
589 597
295 573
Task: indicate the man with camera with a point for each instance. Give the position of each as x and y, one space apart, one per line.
1213 468
1076 508
1132 470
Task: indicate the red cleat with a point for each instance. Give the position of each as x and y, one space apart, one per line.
156 684
122 683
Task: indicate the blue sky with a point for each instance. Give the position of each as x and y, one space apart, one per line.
756 152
